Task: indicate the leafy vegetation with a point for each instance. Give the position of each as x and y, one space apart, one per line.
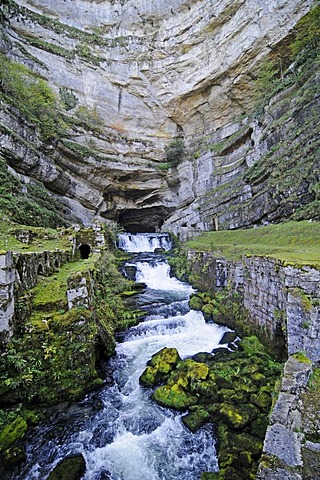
286 69
60 345
32 95
27 204
294 243
175 151
68 98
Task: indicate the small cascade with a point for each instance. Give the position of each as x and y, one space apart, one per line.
144 242
129 437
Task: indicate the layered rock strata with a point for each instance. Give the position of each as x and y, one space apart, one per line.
146 74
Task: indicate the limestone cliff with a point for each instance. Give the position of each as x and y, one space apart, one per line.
133 76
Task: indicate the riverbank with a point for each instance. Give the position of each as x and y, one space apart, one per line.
59 320
266 281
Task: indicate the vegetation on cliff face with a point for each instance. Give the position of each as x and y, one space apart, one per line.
32 96
27 204
285 70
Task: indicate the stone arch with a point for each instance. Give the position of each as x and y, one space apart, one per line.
84 250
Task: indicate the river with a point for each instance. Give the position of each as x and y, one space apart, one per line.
120 431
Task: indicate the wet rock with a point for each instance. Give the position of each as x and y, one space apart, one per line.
159 367
196 419
13 456
70 468
204 357
174 397
228 337
220 353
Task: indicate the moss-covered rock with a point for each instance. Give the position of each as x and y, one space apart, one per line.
174 397
235 417
262 399
196 418
12 433
195 302
194 370
207 390
159 367
233 390
70 468
208 310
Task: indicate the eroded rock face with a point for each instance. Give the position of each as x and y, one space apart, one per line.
147 72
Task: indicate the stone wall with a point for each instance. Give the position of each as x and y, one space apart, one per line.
19 272
279 299
283 445
7 279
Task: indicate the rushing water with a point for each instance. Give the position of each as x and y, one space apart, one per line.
130 437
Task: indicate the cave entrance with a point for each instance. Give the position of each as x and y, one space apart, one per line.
84 250
40 269
143 220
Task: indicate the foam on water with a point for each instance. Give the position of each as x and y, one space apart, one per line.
143 242
131 437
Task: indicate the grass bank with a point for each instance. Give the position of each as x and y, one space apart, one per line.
294 243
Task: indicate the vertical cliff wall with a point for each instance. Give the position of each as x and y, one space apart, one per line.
133 76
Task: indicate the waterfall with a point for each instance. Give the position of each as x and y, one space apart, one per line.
131 437
144 242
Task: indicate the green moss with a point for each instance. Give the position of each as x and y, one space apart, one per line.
160 365
262 400
235 417
174 397
197 418
301 357
12 433
70 468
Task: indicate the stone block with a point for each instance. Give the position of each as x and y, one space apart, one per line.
6 260
283 444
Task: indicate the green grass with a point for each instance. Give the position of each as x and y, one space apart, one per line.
50 292
42 238
295 243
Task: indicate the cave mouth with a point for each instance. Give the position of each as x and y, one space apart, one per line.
84 250
143 220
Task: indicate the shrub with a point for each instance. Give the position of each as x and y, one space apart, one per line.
175 151
68 98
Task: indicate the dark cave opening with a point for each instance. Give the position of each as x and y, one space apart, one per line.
84 250
143 220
